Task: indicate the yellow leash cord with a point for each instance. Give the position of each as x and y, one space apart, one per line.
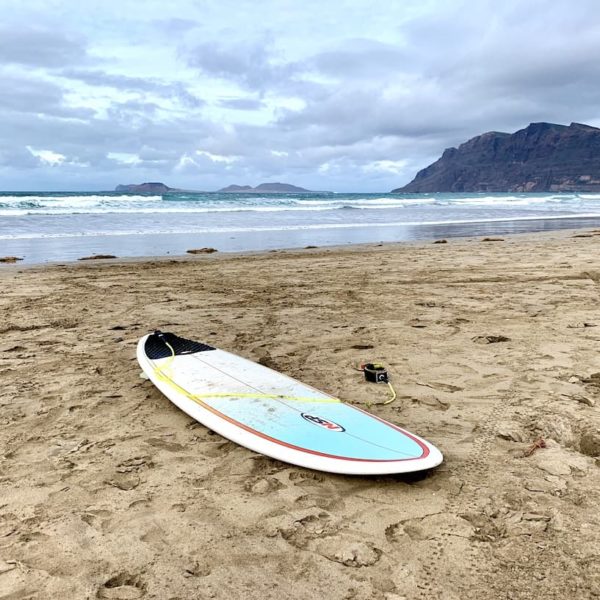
162 375
377 373
166 378
393 394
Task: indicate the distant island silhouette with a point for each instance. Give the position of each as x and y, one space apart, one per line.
264 188
157 187
154 187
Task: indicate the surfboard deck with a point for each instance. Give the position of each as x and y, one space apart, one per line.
276 415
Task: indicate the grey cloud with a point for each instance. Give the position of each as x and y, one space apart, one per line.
18 158
453 78
133 110
176 26
40 47
250 65
186 98
523 45
241 103
123 82
254 67
23 94
134 84
361 58
165 155
127 129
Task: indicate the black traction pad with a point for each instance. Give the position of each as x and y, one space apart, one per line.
156 345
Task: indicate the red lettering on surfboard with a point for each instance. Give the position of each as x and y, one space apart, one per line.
326 424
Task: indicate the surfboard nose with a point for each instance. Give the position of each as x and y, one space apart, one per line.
162 345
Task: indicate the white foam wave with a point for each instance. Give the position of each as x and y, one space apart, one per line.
182 208
200 208
161 210
392 202
24 205
507 201
218 230
75 200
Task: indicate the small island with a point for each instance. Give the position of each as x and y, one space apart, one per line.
264 188
152 187
157 187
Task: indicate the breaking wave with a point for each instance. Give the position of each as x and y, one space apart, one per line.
18 205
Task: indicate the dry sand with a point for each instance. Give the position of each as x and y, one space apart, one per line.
108 491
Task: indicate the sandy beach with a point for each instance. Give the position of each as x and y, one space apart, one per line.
109 491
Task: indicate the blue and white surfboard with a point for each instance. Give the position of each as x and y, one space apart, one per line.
276 415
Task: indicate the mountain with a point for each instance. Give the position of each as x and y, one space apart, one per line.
543 157
265 188
145 188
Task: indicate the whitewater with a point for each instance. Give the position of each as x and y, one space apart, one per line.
43 227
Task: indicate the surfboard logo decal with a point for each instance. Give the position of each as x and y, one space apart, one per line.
326 424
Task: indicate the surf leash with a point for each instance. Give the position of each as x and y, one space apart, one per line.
163 375
373 372
377 373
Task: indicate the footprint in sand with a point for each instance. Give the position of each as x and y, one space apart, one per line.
353 554
124 481
218 449
326 501
165 445
135 464
302 531
99 519
122 587
263 465
263 485
302 477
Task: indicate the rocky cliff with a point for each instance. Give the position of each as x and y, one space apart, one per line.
543 157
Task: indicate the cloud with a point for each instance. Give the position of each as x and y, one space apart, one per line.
40 47
127 83
361 59
27 94
395 167
19 159
129 128
451 75
176 26
241 103
217 158
124 158
48 157
98 78
251 65
123 82
342 97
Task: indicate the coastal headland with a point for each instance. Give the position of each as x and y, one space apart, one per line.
542 157
107 490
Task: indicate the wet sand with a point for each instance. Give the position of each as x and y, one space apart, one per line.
108 491
37 250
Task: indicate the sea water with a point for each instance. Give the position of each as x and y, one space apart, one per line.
41 227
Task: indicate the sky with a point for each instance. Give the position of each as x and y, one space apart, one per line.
340 95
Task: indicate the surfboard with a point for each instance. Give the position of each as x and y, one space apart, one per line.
276 415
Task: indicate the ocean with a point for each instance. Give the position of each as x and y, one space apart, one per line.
50 227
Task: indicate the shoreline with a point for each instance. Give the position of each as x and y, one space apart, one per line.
220 254
108 490
66 249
